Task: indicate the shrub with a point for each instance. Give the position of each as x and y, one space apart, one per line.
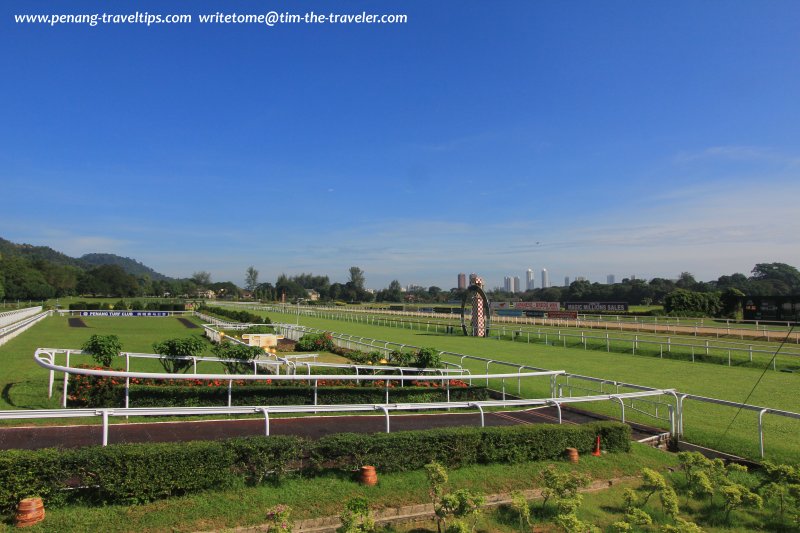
173 349
235 315
103 348
137 473
95 391
242 356
315 342
427 358
91 391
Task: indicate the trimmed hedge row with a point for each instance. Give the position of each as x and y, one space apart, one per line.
215 396
233 314
138 473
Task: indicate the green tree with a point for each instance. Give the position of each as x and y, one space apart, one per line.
175 350
780 278
201 278
357 277
240 356
251 279
393 293
103 348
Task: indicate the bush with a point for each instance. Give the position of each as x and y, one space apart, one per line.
172 349
233 314
103 348
95 391
137 473
241 354
91 391
315 342
427 358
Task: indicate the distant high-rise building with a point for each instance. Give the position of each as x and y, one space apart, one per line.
566 281
462 281
610 279
529 280
545 279
580 278
517 284
508 284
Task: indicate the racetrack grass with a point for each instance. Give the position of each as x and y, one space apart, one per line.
726 348
325 496
704 423
23 383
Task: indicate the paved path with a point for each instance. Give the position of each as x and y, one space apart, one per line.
311 427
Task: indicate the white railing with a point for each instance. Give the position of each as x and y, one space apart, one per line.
668 326
266 410
9 332
617 385
46 357
10 317
724 350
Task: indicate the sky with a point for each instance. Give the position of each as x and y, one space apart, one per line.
589 138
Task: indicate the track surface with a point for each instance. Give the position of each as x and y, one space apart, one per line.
311 427
188 323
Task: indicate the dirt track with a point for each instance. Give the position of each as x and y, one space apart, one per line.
310 427
188 323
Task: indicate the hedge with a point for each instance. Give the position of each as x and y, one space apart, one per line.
211 396
233 314
137 473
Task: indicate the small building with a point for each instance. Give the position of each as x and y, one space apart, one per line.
313 295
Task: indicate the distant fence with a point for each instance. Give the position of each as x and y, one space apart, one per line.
10 317
10 331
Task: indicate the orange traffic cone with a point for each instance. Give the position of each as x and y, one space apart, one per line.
596 451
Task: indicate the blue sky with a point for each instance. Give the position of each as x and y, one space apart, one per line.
586 137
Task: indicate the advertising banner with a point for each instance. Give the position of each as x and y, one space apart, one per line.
124 313
593 307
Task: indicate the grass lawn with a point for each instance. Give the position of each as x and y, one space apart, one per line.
703 423
325 496
23 383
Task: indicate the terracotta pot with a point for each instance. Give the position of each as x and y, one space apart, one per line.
572 455
368 476
30 511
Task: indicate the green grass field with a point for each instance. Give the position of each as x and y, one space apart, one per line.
704 423
24 384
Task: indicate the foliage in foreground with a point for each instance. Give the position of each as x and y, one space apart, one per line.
137 473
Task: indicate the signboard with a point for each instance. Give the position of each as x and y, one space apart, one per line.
535 313
125 313
593 307
569 315
509 312
527 306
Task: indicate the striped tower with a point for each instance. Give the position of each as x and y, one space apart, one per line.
478 308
